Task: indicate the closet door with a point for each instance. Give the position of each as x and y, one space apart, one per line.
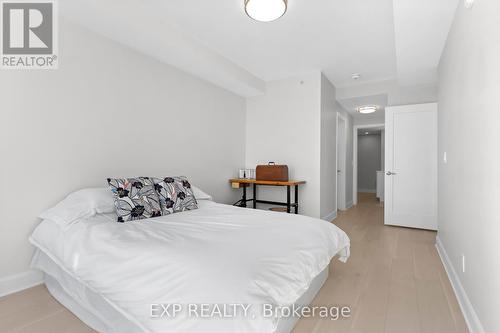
411 166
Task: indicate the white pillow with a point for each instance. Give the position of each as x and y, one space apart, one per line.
199 194
81 204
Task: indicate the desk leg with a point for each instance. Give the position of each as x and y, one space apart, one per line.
254 196
296 199
244 203
288 199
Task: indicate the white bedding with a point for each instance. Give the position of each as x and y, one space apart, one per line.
217 254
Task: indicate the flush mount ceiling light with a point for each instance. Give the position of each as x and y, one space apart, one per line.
367 109
266 10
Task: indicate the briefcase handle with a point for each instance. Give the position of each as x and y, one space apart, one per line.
271 163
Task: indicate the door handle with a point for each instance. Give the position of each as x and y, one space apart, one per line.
390 173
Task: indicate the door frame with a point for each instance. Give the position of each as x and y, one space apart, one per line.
355 158
341 201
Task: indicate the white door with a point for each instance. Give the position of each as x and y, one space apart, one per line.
411 166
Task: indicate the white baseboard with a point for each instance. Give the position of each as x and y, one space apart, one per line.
349 205
468 311
14 283
364 190
330 217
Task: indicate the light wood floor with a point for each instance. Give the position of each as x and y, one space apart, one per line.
394 282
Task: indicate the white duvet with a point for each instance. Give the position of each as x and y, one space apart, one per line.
217 254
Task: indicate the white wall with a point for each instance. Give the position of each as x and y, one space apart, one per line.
295 123
107 111
419 94
349 160
382 150
328 174
469 184
370 119
328 158
369 161
283 126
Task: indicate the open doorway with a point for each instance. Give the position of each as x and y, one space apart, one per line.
368 161
341 161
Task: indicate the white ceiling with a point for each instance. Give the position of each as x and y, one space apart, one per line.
144 25
421 28
215 40
337 37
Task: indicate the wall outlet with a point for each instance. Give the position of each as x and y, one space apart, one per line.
463 263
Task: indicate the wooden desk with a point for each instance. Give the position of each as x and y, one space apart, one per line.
255 183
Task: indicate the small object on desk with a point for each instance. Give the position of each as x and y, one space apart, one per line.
246 174
246 182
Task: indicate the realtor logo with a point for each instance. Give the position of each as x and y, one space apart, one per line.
28 35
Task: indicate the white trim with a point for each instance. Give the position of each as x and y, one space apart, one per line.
349 205
17 282
470 315
342 198
330 217
355 158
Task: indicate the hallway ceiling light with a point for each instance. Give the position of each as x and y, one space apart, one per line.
367 109
266 10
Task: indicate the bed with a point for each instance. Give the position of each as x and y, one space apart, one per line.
111 274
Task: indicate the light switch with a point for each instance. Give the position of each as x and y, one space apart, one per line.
445 158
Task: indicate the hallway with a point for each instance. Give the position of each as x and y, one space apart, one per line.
394 281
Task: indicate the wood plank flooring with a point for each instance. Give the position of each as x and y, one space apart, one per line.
394 282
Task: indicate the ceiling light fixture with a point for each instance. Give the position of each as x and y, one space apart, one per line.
367 109
266 10
356 76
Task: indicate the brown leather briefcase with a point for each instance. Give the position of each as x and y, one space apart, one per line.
272 172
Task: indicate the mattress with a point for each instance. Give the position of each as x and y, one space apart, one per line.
97 313
217 254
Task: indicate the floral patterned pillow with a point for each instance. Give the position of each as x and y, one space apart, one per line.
175 193
135 198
